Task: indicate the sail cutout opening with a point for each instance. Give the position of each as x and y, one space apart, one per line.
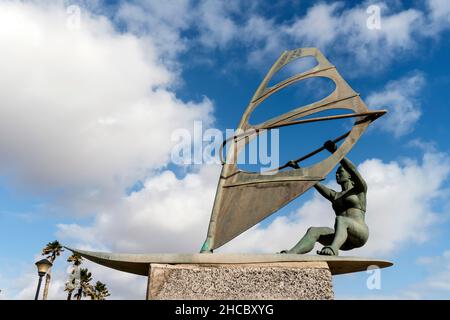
293 68
276 147
298 94
329 115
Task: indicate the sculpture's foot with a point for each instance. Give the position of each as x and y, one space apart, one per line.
328 251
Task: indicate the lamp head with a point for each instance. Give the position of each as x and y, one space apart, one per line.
43 266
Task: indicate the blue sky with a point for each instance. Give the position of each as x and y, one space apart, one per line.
92 91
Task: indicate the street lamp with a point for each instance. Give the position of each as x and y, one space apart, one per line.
42 266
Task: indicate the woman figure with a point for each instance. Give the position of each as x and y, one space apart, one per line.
350 230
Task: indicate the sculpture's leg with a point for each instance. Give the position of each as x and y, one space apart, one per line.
340 236
323 235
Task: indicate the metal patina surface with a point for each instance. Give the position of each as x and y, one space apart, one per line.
245 198
139 263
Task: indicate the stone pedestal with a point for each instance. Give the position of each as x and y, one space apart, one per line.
262 281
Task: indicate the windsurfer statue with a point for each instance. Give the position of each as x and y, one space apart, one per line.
350 230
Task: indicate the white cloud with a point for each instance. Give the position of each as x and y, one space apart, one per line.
23 284
216 27
318 27
439 270
344 32
398 29
439 17
262 37
426 146
400 205
434 285
400 98
165 24
162 23
167 215
284 231
84 112
339 30
121 285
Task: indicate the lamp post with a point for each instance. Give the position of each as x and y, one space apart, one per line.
42 266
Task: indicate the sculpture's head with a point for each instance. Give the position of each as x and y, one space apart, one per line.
342 176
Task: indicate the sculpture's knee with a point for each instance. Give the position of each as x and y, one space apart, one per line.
312 231
340 220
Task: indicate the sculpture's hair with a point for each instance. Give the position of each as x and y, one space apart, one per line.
349 176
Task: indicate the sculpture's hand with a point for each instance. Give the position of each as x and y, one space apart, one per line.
293 164
330 146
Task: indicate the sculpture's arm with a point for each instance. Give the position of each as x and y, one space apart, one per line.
360 183
326 192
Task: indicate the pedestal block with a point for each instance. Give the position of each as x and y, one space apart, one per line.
262 281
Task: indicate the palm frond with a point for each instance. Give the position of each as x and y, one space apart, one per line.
52 250
75 258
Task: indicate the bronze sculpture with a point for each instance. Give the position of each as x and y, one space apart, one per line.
245 198
349 205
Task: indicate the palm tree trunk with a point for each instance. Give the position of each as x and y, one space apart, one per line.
48 277
69 295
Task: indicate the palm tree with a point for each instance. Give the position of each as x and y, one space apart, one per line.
85 286
76 259
51 251
99 291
